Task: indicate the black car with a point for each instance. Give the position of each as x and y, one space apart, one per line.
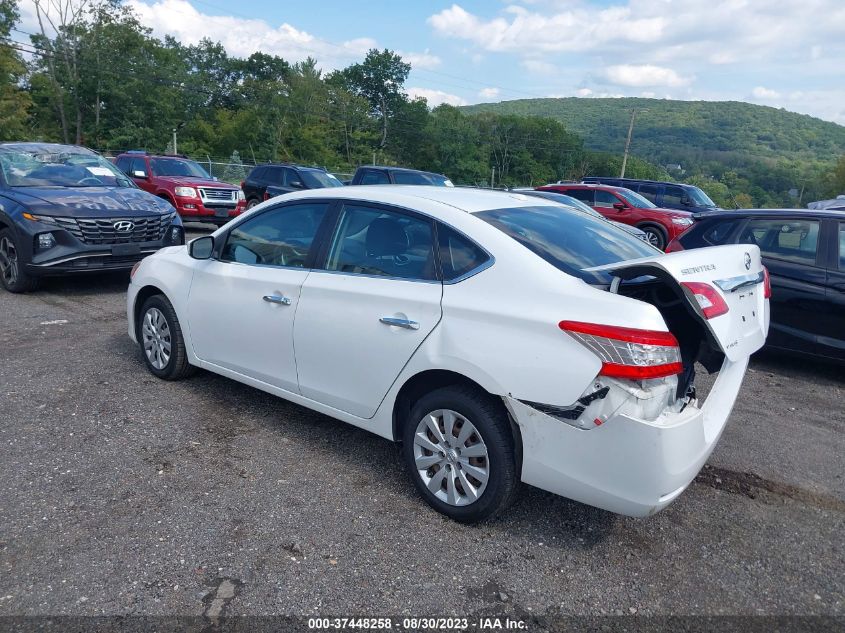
65 209
271 180
667 195
804 252
379 175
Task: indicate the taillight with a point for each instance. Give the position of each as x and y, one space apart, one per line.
674 246
628 352
767 284
266 196
709 300
243 182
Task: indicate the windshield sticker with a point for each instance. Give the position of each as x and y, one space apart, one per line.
100 171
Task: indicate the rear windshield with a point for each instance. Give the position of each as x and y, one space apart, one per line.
569 240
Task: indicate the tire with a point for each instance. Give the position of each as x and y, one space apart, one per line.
251 203
161 340
12 274
656 235
489 433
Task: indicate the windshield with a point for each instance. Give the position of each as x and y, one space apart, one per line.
635 199
569 241
54 166
317 179
178 167
700 198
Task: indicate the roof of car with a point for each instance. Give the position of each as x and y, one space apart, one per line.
405 169
583 185
291 165
643 180
40 147
772 213
469 199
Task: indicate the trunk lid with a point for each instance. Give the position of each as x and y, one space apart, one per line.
734 272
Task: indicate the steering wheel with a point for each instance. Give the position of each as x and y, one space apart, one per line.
96 181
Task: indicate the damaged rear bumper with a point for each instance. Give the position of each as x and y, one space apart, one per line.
626 465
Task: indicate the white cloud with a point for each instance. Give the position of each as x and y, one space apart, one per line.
761 92
643 75
424 60
436 97
488 93
583 92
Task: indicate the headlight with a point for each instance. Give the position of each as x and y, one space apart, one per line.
682 221
46 219
185 192
241 195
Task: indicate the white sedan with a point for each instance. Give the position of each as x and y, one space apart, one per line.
498 337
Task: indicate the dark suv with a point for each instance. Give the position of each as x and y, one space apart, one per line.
667 195
379 175
65 209
268 181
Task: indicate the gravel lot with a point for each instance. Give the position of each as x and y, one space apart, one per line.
125 494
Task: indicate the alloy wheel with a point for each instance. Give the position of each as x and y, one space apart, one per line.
156 338
653 238
8 261
451 457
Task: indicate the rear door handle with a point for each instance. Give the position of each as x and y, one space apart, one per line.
405 323
276 299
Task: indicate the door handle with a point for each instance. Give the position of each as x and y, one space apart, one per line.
276 299
405 323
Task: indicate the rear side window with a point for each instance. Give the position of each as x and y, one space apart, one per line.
649 192
569 240
719 232
257 173
375 178
458 255
584 195
280 237
789 239
373 241
841 246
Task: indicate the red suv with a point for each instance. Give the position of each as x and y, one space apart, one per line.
623 205
185 184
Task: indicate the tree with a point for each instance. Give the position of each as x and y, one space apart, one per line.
15 103
380 79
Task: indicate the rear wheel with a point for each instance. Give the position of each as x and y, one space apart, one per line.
12 274
459 452
251 203
656 236
162 343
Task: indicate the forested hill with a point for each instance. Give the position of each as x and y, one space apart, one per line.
687 131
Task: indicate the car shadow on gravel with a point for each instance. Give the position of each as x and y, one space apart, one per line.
795 366
231 410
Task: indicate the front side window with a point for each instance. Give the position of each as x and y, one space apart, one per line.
841 246
789 239
318 179
674 195
605 199
569 240
280 237
458 255
58 166
372 241
177 167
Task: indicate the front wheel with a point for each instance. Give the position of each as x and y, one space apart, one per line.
12 274
459 451
655 236
162 343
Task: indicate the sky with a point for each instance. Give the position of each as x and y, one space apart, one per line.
783 53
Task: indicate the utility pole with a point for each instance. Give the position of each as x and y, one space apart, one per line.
493 176
628 141
176 152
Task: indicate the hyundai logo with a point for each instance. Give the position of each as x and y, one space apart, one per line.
747 261
124 226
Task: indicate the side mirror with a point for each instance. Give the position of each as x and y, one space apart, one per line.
202 247
687 202
296 184
619 206
138 173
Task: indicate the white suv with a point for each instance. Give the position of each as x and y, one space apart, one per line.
499 337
